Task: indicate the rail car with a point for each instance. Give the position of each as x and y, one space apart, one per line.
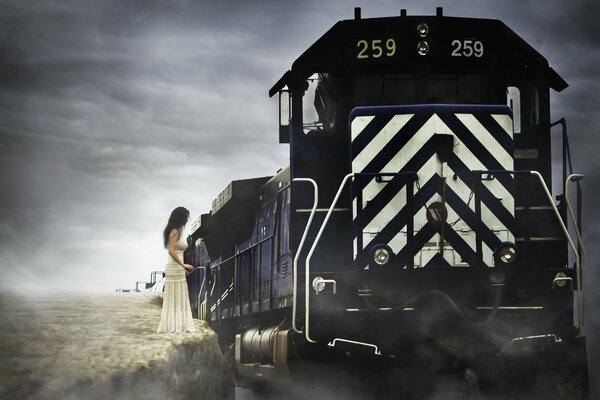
414 229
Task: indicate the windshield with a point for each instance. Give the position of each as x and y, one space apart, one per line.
397 89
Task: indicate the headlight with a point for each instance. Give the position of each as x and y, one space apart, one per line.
505 254
422 29
423 47
381 254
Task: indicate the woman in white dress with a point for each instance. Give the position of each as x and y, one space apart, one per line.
176 312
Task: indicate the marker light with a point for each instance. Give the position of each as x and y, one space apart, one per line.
423 47
381 255
506 253
423 29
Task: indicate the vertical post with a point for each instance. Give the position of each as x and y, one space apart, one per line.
410 224
564 154
478 223
579 216
357 13
300 246
260 289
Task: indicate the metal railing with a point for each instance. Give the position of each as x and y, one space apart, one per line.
297 256
309 256
580 247
578 267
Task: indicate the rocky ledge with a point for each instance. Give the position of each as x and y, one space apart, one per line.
104 346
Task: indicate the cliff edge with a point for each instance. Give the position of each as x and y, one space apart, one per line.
101 346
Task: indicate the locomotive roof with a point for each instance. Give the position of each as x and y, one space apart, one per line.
330 53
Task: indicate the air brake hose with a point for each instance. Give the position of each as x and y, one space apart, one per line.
452 303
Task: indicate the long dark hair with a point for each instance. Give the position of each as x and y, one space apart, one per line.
177 220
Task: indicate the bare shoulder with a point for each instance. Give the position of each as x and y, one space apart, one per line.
174 234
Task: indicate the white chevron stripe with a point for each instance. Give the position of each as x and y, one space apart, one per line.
398 241
393 207
488 218
463 191
398 202
382 138
486 139
473 163
491 221
359 123
425 173
488 255
425 256
466 233
468 238
380 221
451 255
432 167
406 153
506 122
433 125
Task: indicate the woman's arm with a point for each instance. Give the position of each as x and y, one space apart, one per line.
173 238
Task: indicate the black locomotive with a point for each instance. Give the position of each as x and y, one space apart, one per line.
413 229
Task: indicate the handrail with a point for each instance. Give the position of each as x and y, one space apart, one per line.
242 251
201 287
566 150
568 236
375 348
550 199
297 256
309 256
573 178
137 289
153 276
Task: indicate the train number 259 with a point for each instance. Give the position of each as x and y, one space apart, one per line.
376 48
467 48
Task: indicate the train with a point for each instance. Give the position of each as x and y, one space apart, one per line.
414 236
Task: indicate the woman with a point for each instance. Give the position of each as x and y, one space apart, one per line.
176 312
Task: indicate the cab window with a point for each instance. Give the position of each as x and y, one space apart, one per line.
319 105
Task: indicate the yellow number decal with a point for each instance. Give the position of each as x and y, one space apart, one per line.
390 45
377 50
363 46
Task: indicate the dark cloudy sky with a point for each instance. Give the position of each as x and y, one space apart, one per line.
113 112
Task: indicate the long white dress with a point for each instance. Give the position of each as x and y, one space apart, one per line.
176 312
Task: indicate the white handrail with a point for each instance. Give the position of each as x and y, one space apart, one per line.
309 256
570 178
566 232
201 287
297 256
375 348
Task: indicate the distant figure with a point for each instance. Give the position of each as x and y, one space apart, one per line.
176 312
